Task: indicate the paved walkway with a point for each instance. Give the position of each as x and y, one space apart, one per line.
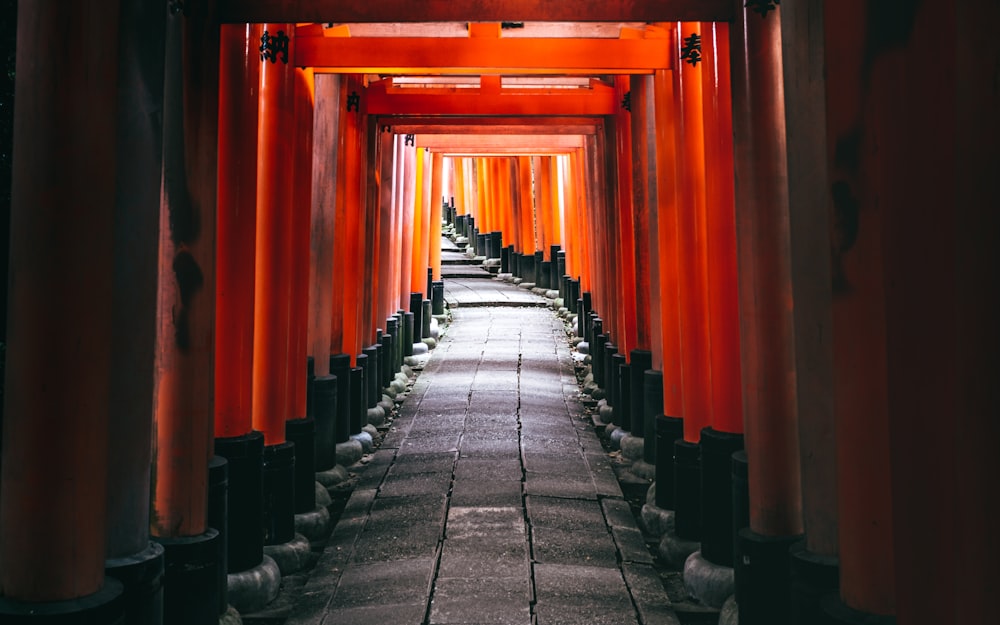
491 500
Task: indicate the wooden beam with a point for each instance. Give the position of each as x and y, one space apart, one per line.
383 99
326 11
450 55
487 142
543 125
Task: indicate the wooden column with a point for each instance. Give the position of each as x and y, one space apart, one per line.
323 201
860 333
723 291
55 431
692 227
644 216
275 162
301 209
626 239
239 71
138 170
434 234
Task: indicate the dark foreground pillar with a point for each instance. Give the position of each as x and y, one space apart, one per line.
191 572
325 389
640 360
668 430
302 432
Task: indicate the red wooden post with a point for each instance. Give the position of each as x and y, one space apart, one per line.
61 267
239 69
326 121
275 158
300 208
692 247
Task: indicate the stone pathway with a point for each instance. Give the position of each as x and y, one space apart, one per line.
490 500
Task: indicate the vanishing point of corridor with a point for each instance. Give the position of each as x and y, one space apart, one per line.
491 499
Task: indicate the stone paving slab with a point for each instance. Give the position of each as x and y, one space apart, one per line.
482 600
463 292
581 595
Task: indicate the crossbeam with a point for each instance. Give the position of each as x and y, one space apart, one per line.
541 125
383 99
373 11
494 144
453 55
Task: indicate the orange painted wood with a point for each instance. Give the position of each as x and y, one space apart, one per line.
644 216
496 125
325 11
626 278
239 68
603 183
527 208
351 238
418 264
53 518
692 226
326 126
388 100
724 304
668 209
275 156
861 296
434 236
543 182
183 404
407 156
804 56
765 265
298 251
370 194
386 296
451 55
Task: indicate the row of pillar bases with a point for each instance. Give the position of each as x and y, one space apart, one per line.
702 488
257 495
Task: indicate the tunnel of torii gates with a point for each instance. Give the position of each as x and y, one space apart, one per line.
271 190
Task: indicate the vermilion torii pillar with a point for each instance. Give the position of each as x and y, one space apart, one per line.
132 558
186 319
768 341
235 437
273 268
61 278
274 197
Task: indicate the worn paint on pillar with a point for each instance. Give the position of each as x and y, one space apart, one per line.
860 356
763 241
301 207
326 121
275 158
644 217
139 167
723 291
692 226
668 207
186 315
61 281
804 68
239 78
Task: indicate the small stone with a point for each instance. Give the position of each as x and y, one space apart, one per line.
419 348
431 343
